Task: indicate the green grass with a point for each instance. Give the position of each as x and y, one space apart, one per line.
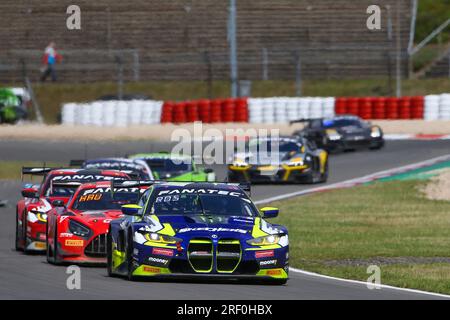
51 96
11 170
387 220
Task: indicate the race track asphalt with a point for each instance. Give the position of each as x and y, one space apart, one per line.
30 277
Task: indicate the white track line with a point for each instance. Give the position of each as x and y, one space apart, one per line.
353 182
356 181
382 286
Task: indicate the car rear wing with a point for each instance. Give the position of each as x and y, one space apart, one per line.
36 171
304 120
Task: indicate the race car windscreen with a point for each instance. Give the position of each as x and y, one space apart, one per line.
164 167
104 199
273 146
202 204
68 191
135 169
340 123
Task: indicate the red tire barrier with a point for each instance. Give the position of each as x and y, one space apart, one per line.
216 111
340 106
241 111
417 107
179 113
404 108
167 112
392 108
192 111
228 110
353 106
204 109
379 108
365 108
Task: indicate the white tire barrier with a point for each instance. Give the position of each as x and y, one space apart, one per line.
437 107
285 109
112 113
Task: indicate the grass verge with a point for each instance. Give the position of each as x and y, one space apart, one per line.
341 233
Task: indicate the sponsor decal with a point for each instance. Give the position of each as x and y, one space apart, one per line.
40 245
74 243
66 235
274 272
108 190
90 177
200 191
264 254
212 230
162 252
268 263
152 270
158 261
42 236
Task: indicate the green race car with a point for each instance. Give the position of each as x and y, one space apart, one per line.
175 167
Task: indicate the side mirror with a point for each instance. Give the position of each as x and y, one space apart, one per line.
58 203
208 170
131 210
30 193
268 212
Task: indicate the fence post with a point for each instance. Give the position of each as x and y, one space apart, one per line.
298 74
136 65
265 64
119 77
209 74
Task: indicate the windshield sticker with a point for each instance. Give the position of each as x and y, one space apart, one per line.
200 191
91 197
212 230
86 177
108 190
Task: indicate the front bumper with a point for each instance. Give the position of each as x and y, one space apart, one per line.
252 263
259 174
80 251
353 144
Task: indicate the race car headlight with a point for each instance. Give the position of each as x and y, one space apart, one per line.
265 241
376 133
160 238
239 164
42 217
78 229
296 162
333 135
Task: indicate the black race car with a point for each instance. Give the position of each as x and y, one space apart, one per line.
341 133
279 160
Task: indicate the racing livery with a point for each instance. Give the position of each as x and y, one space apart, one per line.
31 211
175 167
198 230
279 160
137 169
342 133
76 233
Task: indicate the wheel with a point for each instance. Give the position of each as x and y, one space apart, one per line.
54 253
24 232
324 175
109 255
315 176
17 242
48 250
129 251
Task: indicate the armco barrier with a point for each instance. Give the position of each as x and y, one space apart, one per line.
254 110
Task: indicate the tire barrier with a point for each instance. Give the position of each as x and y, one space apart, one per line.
254 110
112 113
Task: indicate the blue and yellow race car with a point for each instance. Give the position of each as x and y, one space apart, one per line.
197 230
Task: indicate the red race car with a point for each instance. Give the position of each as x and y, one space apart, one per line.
76 233
31 211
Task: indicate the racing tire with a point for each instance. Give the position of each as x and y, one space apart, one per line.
54 258
24 234
17 240
129 255
315 176
109 255
324 176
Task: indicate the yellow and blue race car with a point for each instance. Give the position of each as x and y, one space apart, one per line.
197 230
279 160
